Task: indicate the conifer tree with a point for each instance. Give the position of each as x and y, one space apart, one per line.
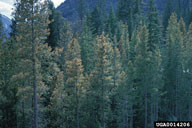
49 72
74 79
125 99
167 13
13 29
124 47
130 13
60 31
154 44
128 78
98 17
187 76
138 11
187 13
111 25
173 59
117 79
126 90
125 13
155 86
81 9
102 6
57 107
86 42
179 10
154 27
32 21
96 21
8 90
119 30
101 82
183 30
142 71
51 38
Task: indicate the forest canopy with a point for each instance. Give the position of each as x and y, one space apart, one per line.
112 68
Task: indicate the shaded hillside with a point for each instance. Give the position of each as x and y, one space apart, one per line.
69 8
6 24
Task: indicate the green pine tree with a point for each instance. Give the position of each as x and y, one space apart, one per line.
154 27
81 9
173 67
58 102
142 73
186 87
8 90
86 42
60 31
74 80
111 24
32 23
117 79
101 80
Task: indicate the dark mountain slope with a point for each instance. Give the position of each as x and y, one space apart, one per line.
69 8
6 24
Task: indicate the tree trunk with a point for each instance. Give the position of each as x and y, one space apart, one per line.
34 73
102 91
77 107
146 106
157 110
176 94
23 115
190 105
114 86
131 115
152 110
127 115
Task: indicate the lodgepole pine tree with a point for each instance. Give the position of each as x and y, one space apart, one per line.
117 79
126 88
124 47
7 88
101 82
154 44
167 12
86 41
155 87
111 24
59 28
32 21
8 91
142 71
49 76
74 79
81 9
154 27
183 30
173 72
96 21
57 106
125 12
187 75
51 40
